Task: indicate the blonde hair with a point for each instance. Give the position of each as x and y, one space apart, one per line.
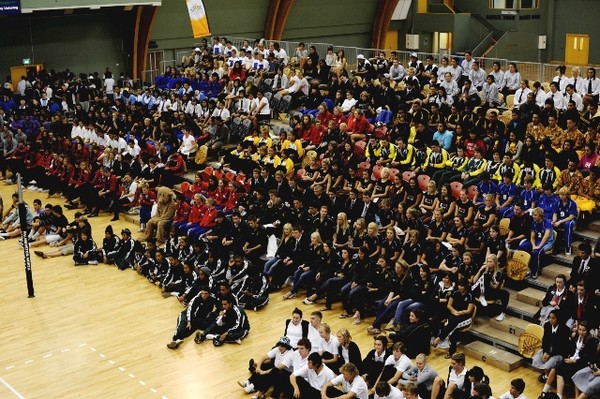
344 227
494 260
373 225
317 237
286 226
564 191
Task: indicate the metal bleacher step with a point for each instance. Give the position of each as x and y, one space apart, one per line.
555 269
511 325
495 356
522 309
588 234
531 296
594 226
563 259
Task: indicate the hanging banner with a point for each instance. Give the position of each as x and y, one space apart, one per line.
10 6
197 18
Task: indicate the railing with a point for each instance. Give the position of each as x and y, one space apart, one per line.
533 71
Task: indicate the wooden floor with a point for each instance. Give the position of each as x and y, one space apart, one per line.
97 332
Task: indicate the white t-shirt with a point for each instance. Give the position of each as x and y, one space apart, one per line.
315 380
265 110
295 361
187 144
358 386
395 393
294 333
109 84
458 379
402 364
331 346
279 358
313 336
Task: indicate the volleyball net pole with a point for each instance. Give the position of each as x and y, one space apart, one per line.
24 238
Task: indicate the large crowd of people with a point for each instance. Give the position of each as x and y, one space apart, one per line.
384 192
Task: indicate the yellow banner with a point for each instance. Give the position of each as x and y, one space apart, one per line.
198 18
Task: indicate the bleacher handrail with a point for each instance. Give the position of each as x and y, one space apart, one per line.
533 71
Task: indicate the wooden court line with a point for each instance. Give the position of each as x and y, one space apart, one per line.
83 345
10 388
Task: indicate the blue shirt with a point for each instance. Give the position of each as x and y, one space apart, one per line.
549 204
487 188
445 139
539 228
528 198
507 191
565 210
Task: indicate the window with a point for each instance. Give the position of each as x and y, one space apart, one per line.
514 4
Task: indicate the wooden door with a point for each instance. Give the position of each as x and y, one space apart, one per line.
577 49
391 40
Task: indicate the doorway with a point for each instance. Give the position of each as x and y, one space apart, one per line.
577 49
154 65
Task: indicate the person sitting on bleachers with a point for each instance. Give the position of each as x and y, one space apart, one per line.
456 378
554 345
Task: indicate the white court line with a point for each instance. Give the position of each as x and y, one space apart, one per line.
10 388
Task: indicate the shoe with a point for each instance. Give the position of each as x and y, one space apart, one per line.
290 295
373 331
251 366
357 315
114 219
174 344
92 262
542 395
244 384
211 336
200 337
307 301
534 276
568 252
217 342
482 301
33 182
500 317
543 378
249 388
445 344
140 230
39 253
70 206
166 294
357 322
32 188
2 238
344 315
238 341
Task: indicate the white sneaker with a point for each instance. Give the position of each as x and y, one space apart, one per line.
211 336
92 262
500 317
33 182
249 388
568 252
482 301
445 344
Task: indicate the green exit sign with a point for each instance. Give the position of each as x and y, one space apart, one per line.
26 61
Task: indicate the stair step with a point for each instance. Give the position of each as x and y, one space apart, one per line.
135 219
588 234
511 324
555 269
495 356
519 307
501 338
531 296
564 259
594 226
542 282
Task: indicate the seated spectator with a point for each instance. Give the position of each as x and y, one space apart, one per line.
231 325
308 381
198 315
456 378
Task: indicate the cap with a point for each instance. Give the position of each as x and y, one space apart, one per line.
360 57
126 231
197 49
284 341
413 54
